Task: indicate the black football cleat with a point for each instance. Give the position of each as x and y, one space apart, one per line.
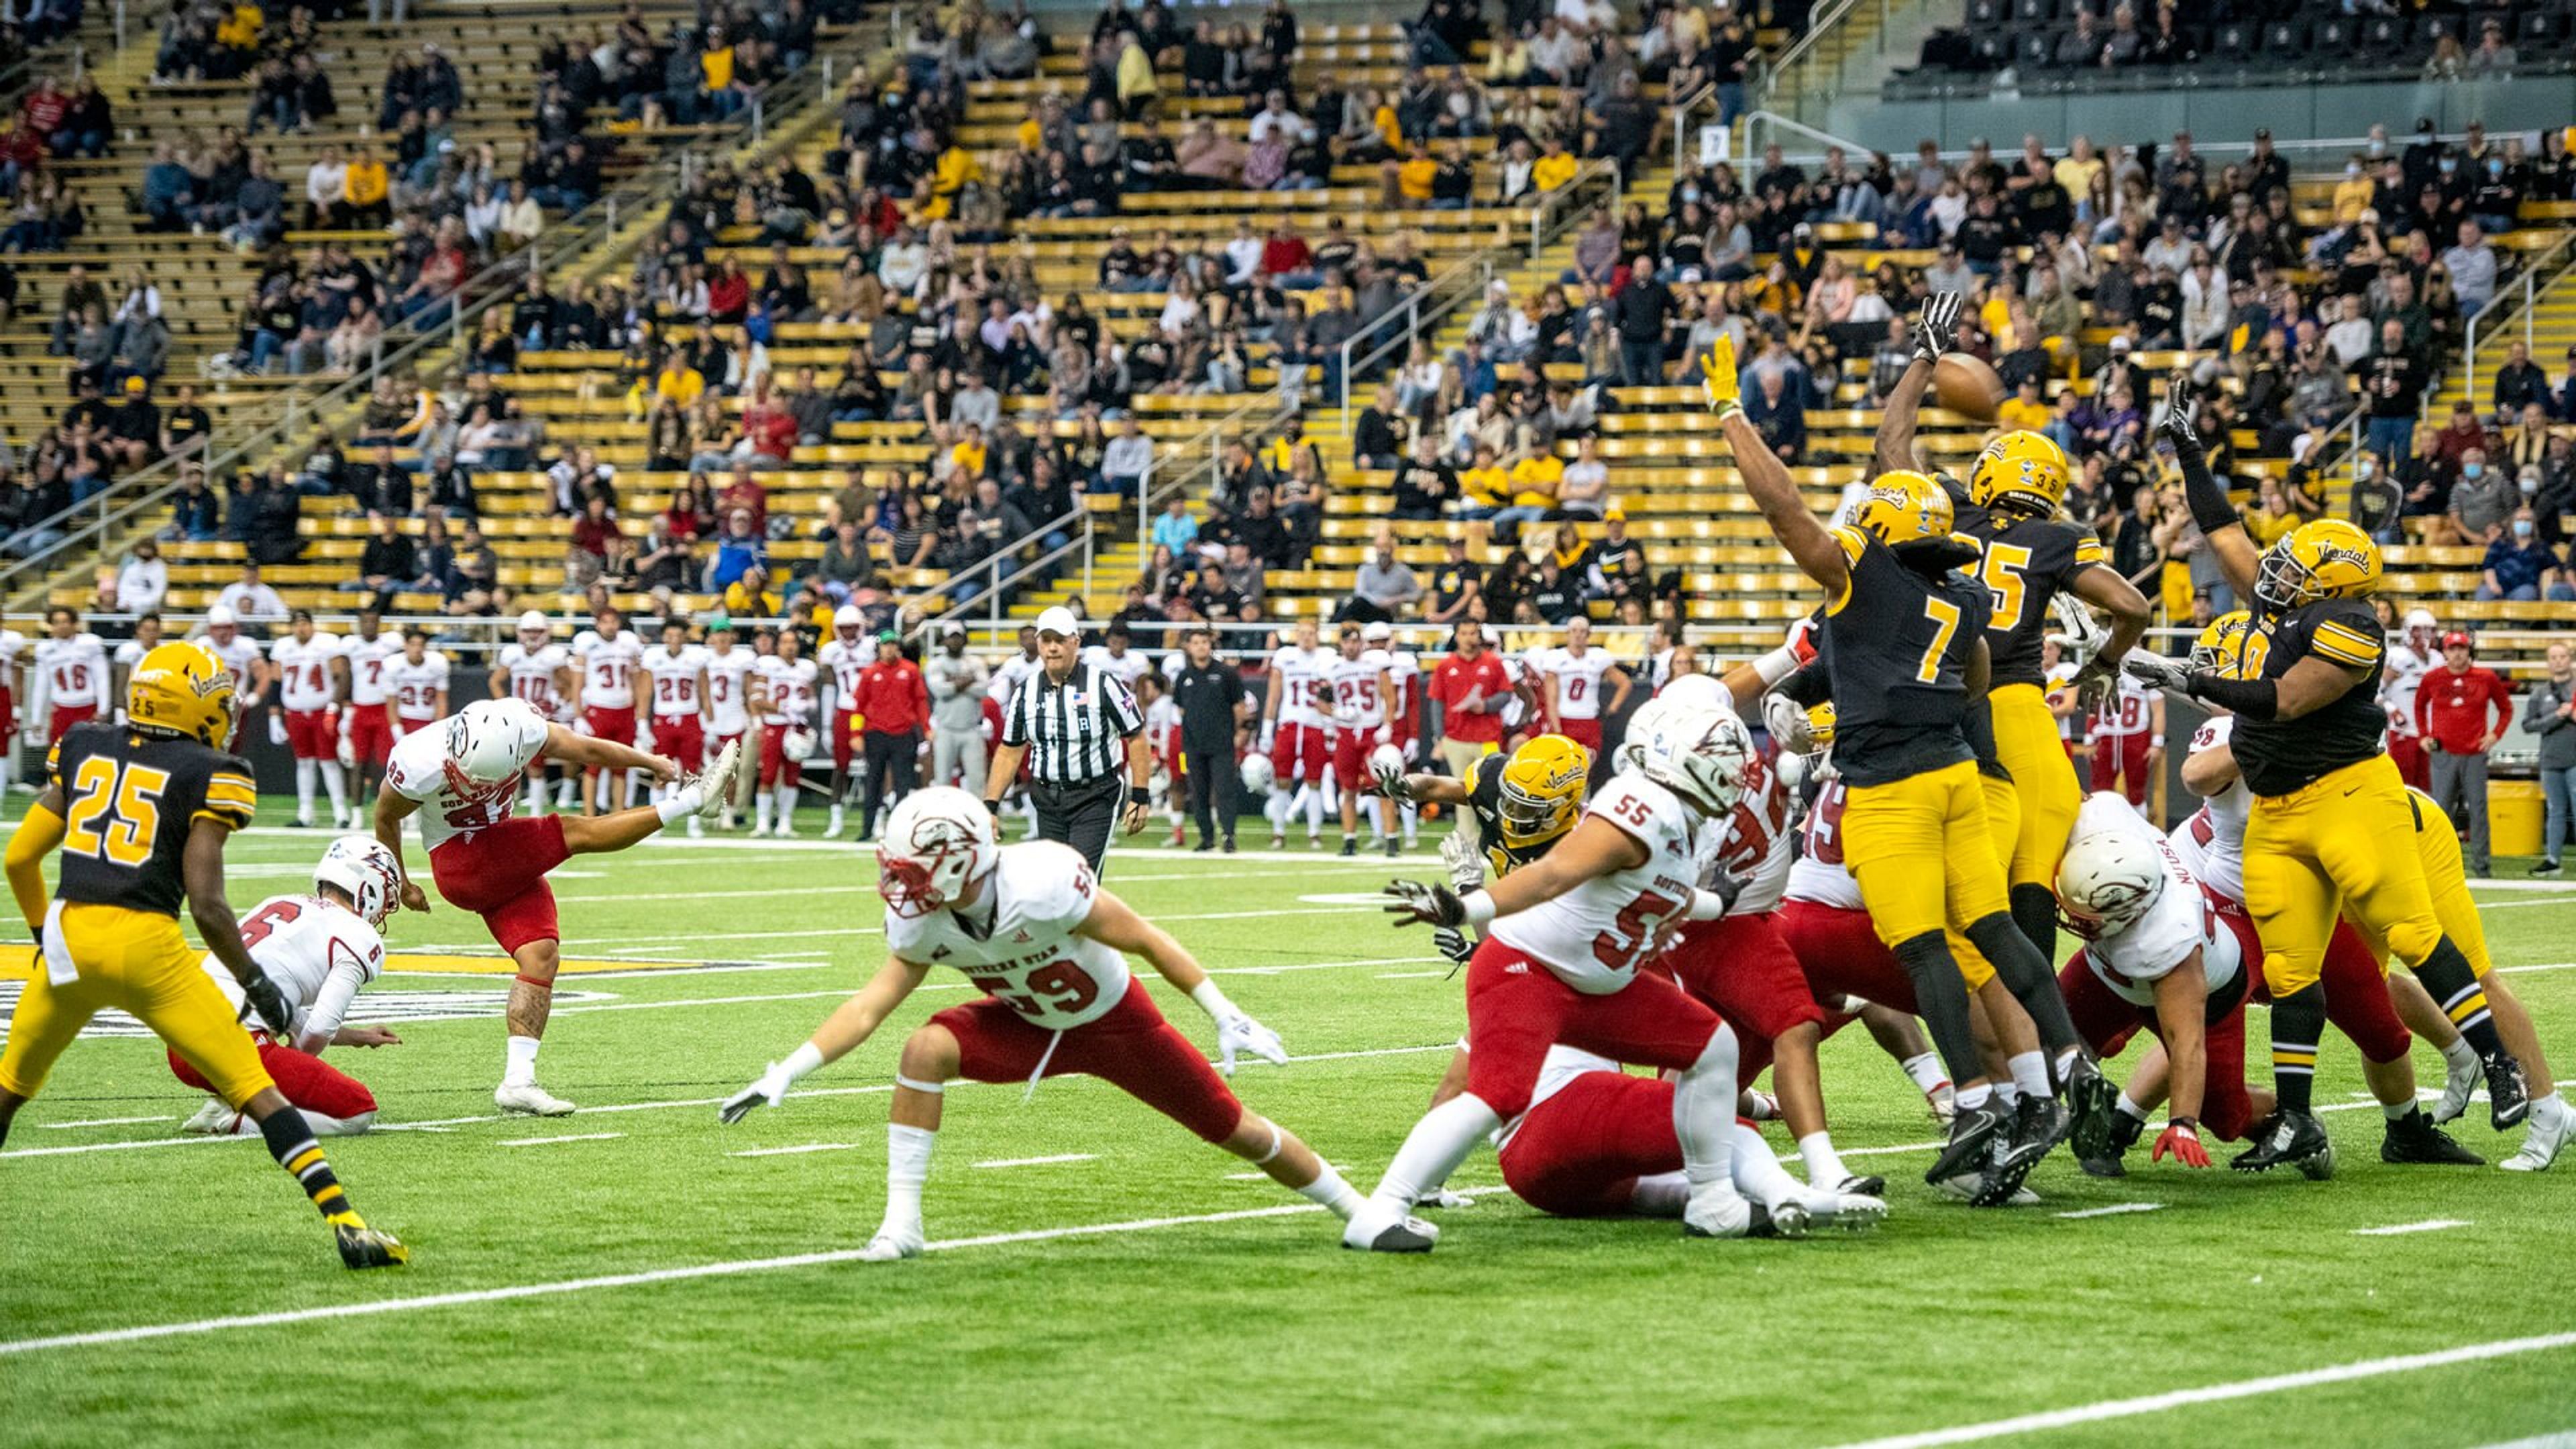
2091 1104
2294 1140
2102 1158
1868 1186
1971 1131
2508 1098
2414 1138
365 1247
2039 1123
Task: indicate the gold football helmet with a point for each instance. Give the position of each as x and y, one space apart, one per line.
1903 507
1541 789
182 688
2023 469
2225 647
2325 558
1820 726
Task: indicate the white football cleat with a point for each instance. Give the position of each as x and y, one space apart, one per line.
531 1099
890 1247
2541 1141
215 1119
715 783
2458 1083
1441 1197
1847 1212
832 826
697 825
1378 1227
1717 1210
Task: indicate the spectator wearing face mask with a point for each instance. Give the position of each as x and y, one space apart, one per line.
2482 502
2520 567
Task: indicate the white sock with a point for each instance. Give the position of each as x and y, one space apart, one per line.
1926 1070
1663 1195
1824 1168
2547 1109
536 794
2460 1054
2397 1111
2131 1109
1971 1098
2065 1067
1412 819
1314 811
1435 1147
907 1168
1275 810
2030 1073
786 805
1334 1193
522 1068
304 789
1704 1111
760 800
678 805
2007 1093
568 793
1759 1176
335 783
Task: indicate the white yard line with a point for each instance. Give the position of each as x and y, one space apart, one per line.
2429 1225
2109 1409
549 1141
2115 1210
722 1269
105 1122
792 1151
1040 1161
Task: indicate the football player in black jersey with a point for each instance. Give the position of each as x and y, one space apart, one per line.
1906 648
2027 557
141 811
2332 830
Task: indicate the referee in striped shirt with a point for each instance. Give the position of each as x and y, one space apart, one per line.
1078 727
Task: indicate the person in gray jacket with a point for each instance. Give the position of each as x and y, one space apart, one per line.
957 687
2550 715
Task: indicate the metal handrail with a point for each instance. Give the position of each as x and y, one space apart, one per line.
489 288
1800 51
2528 285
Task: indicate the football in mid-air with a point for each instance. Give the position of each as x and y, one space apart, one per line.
1967 386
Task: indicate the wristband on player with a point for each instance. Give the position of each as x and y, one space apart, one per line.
1479 908
2155 742
1213 1000
2188 1124
801 1061
1775 666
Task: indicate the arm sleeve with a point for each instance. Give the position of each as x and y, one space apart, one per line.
2210 507
330 1008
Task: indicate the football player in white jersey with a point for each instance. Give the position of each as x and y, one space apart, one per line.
605 657
417 683
1572 680
312 675
1294 734
1569 932
461 777
320 948
784 686
13 664
2417 650
1034 930
675 675
1404 672
1359 696
841 663
71 677
1114 656
130 652
729 666
2128 734
539 671
243 656
366 726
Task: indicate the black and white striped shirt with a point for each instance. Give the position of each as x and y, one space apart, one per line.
1075 731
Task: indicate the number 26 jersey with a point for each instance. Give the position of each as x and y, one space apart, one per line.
1029 957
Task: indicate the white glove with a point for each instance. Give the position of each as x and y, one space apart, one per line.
1385 735
1787 724
2155 671
1238 1033
1269 732
1466 863
277 729
348 753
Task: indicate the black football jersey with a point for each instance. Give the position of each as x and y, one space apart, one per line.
129 802
2027 563
1485 801
2281 755
1897 652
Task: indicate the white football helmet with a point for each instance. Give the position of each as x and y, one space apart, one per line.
1258 775
491 740
2106 881
797 743
361 866
937 843
847 618
1699 754
1696 691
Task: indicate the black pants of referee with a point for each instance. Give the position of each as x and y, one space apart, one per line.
1214 780
886 756
1080 814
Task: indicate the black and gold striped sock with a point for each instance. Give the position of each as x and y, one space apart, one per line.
2453 982
2298 1019
291 1142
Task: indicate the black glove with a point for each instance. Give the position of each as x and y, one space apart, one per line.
270 1003
2177 420
1414 903
2155 671
1936 326
2095 681
1453 943
995 807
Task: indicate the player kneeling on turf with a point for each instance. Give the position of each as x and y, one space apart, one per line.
1032 928
319 949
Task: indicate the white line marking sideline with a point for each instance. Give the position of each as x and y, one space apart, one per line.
2208 1394
104 1122
1039 1161
2114 1210
570 1137
727 1268
789 1151
2429 1225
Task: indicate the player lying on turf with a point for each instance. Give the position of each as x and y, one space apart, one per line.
1035 931
465 770
141 811
319 948
1570 932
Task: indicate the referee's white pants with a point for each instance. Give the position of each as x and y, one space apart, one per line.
956 751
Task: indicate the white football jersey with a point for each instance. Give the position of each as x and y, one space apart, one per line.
1029 957
367 661
2131 960
2211 841
1357 702
1129 667
318 952
729 688
240 656
845 663
304 671
129 653
1594 936
1757 845
1404 671
2129 711
607 666
1820 876
790 687
1009 675
75 669
13 644
416 769
532 674
674 679
2401 671
2059 677
1305 688
1578 678
416 687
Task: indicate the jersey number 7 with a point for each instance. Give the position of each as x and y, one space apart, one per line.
1945 615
